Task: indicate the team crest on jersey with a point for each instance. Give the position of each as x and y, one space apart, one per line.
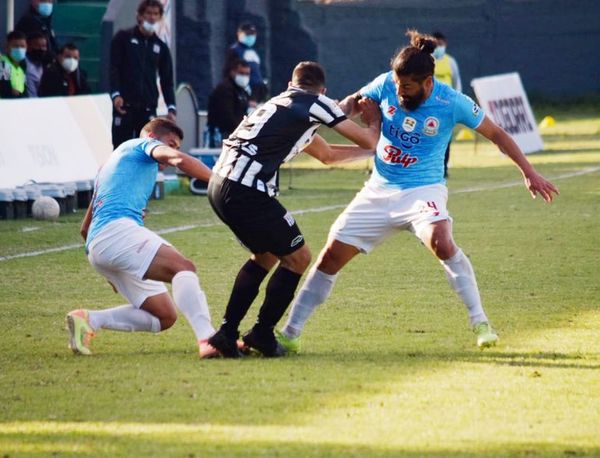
432 125
391 110
476 110
409 124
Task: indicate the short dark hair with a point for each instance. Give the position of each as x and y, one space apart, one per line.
439 36
144 4
415 60
233 64
15 35
69 46
162 126
247 27
309 75
36 36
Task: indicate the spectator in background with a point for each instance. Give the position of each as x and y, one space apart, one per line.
137 56
446 71
39 19
228 102
12 75
37 58
243 48
64 77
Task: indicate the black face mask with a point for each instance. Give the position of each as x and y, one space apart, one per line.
39 56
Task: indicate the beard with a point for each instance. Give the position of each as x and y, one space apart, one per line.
413 102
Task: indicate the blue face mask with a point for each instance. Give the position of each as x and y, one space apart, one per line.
439 52
18 54
248 40
45 9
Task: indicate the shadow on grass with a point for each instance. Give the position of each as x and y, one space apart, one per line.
200 441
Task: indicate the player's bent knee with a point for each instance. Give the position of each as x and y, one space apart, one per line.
187 266
167 320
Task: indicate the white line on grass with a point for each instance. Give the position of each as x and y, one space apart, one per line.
188 227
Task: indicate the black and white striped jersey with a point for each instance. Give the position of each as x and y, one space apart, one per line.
272 135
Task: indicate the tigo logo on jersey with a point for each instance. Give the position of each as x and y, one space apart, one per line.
432 126
409 124
391 110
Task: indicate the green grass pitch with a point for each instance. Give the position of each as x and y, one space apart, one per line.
389 366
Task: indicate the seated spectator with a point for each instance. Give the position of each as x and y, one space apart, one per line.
64 77
37 58
39 19
228 102
12 75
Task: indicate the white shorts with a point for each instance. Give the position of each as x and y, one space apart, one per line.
376 213
122 252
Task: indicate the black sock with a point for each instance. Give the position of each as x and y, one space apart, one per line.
245 290
280 292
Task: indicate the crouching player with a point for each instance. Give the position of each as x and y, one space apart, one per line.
135 260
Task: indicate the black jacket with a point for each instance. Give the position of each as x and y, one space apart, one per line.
55 82
135 61
32 21
227 106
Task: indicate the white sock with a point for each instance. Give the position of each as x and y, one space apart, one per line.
124 318
191 300
461 277
315 290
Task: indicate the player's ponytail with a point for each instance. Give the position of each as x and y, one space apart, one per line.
415 60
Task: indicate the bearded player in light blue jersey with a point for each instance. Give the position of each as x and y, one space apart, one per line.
133 259
407 189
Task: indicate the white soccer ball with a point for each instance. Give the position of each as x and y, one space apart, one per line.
45 208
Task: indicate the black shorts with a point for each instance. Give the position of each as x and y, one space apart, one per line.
260 222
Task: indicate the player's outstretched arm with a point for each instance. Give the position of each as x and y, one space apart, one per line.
184 162
534 182
365 137
335 154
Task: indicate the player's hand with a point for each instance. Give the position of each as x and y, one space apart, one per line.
350 105
537 184
118 103
369 111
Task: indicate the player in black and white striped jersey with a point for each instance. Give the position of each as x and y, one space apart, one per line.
243 189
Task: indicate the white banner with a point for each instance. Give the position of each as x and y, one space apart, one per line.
55 139
505 101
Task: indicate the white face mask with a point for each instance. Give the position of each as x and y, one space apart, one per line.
70 64
242 80
149 27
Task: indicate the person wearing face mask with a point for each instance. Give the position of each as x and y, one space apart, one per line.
137 55
228 102
243 49
12 75
64 77
39 19
446 71
37 58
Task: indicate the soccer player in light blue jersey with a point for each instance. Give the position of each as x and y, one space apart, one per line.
407 190
133 259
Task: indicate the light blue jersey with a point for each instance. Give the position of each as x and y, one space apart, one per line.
124 184
412 145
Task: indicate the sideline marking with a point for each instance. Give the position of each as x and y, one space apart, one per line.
188 227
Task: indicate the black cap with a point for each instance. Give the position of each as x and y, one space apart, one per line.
247 27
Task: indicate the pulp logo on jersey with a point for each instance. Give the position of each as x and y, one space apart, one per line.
432 125
409 124
394 155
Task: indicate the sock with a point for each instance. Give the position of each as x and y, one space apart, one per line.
280 292
245 290
124 318
461 277
191 300
316 289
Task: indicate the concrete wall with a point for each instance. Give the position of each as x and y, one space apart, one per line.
553 44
